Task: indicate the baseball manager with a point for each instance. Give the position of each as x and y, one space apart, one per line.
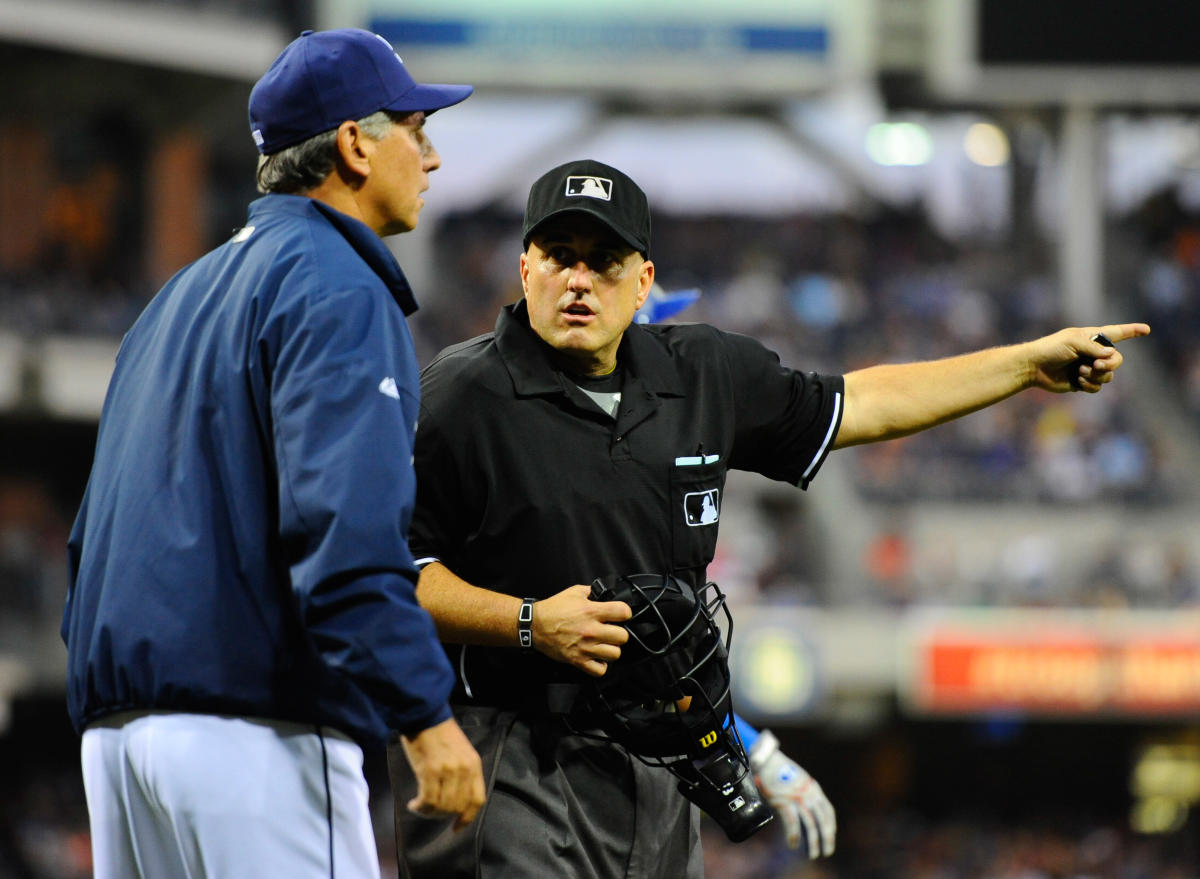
241 615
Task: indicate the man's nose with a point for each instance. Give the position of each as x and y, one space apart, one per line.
580 277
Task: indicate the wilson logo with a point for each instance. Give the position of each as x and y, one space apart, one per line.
709 739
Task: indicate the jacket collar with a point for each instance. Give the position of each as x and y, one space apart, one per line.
369 246
530 364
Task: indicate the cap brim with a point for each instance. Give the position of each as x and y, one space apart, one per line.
429 97
581 209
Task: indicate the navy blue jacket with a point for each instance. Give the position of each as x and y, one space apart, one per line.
242 543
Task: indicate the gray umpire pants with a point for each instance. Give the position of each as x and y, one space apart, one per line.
558 805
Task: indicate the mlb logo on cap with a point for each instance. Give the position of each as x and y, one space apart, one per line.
590 187
586 186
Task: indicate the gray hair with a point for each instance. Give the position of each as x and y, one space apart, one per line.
296 169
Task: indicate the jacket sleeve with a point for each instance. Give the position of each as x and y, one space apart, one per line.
343 410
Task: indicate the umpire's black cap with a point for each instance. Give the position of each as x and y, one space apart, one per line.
589 187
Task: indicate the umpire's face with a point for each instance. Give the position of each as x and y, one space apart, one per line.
582 285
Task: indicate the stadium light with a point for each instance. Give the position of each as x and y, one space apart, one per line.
986 144
899 143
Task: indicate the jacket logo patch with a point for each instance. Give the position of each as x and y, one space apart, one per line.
388 388
702 507
592 187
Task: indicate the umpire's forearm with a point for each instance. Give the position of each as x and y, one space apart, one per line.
885 402
467 614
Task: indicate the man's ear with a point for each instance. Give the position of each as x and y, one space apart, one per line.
354 149
525 273
645 281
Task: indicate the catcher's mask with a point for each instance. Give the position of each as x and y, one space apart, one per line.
667 699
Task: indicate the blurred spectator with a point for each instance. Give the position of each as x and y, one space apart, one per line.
49 821
33 535
1164 239
889 564
754 295
1182 577
1028 572
1105 583
92 215
792 565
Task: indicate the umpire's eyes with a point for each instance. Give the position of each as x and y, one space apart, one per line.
602 262
560 256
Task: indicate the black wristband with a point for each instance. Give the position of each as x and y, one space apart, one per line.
525 624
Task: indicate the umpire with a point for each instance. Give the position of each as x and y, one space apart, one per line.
572 444
241 615
569 445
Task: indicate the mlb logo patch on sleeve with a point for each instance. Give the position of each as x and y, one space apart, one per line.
589 187
702 507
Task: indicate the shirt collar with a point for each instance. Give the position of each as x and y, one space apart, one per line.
369 246
533 371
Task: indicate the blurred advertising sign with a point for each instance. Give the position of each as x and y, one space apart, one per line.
776 672
1123 663
706 49
800 663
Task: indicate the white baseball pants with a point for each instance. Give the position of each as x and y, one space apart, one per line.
199 796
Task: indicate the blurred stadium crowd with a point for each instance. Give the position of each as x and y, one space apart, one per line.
827 293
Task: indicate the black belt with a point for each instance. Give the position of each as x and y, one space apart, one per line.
537 698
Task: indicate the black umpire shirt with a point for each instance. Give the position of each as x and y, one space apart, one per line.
525 486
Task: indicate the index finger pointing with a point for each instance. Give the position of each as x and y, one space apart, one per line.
1120 332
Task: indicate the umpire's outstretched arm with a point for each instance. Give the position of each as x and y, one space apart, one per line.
889 401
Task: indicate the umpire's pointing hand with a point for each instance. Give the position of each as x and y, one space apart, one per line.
449 773
569 627
1054 358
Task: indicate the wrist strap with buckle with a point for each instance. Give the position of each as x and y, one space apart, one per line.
525 624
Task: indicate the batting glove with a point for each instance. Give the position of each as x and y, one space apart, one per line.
795 796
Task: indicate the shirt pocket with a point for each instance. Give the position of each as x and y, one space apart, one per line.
695 498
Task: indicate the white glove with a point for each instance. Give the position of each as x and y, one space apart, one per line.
795 796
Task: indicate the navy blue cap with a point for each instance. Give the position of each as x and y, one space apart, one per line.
590 187
324 78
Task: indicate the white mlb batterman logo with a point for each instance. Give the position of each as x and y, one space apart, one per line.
702 507
591 187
